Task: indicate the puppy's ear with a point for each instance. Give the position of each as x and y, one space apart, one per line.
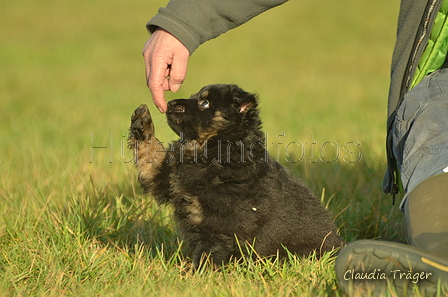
244 101
246 106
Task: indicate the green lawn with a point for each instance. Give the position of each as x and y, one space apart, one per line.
73 221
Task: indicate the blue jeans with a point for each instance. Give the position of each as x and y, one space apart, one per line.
420 134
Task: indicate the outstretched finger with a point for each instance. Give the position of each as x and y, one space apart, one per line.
158 84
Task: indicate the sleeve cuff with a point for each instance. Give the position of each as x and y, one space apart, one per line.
169 22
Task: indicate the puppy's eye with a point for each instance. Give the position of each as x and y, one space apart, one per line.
204 104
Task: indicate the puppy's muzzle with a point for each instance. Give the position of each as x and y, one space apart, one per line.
175 108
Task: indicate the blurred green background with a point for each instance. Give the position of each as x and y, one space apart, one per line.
71 68
71 74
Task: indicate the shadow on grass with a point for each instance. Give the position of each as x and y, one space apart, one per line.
353 192
121 216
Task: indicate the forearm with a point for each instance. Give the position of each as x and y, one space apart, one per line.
195 21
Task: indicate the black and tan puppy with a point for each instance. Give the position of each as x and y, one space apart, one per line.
224 188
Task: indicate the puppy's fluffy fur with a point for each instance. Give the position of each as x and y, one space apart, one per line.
225 189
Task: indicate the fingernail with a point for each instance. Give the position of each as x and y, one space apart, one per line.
175 88
160 109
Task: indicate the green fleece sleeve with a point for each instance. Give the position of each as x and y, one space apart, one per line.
194 22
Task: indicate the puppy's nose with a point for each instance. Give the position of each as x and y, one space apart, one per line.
175 107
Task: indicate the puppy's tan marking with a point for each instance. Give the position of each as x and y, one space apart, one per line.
218 123
196 215
204 95
193 207
149 156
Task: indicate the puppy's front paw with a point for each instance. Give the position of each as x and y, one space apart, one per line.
142 127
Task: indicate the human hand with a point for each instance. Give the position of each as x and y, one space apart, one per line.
166 60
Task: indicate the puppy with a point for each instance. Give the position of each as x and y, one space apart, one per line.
225 189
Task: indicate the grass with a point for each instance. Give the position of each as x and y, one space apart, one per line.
73 221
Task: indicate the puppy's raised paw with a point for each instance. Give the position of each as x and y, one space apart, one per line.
142 127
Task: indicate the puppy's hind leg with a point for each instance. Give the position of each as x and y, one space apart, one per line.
148 150
217 250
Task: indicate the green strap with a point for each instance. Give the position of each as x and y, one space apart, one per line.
437 48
